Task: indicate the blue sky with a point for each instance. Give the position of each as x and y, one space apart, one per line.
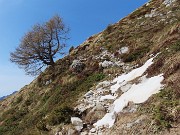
84 17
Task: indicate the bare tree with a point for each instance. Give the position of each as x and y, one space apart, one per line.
39 46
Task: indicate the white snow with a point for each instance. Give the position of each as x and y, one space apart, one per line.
138 93
124 78
107 121
107 97
132 92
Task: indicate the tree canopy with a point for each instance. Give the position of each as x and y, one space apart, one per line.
40 46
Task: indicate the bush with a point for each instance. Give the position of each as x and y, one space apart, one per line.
136 54
18 100
176 46
109 29
61 115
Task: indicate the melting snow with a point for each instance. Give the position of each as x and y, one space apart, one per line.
124 78
107 97
138 93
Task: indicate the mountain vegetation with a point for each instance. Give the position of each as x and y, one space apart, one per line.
128 73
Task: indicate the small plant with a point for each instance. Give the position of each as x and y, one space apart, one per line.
176 46
71 49
18 100
109 29
136 54
164 108
61 115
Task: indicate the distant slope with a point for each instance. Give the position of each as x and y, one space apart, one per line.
1 98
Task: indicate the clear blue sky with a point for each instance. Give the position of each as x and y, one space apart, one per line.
84 17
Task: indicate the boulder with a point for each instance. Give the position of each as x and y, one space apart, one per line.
77 122
95 114
106 64
77 66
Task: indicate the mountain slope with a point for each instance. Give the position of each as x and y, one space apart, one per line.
1 98
150 34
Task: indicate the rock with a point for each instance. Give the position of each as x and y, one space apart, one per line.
77 122
129 125
48 82
99 107
95 114
59 133
106 64
126 87
152 14
168 2
103 84
88 94
71 131
93 130
123 50
84 133
77 66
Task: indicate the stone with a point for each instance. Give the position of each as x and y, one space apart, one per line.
99 107
168 2
59 133
77 122
95 114
123 50
84 133
71 131
89 93
93 130
106 64
77 66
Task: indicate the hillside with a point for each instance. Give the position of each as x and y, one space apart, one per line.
121 81
1 98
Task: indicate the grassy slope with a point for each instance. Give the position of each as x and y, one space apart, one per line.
39 105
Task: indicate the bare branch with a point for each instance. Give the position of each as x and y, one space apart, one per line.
40 45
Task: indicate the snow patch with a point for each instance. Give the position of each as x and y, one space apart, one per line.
107 121
138 93
107 97
124 78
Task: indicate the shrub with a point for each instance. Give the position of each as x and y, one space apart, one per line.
61 115
71 49
109 29
136 54
18 100
176 46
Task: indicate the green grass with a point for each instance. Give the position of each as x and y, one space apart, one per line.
176 46
161 108
136 54
57 104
